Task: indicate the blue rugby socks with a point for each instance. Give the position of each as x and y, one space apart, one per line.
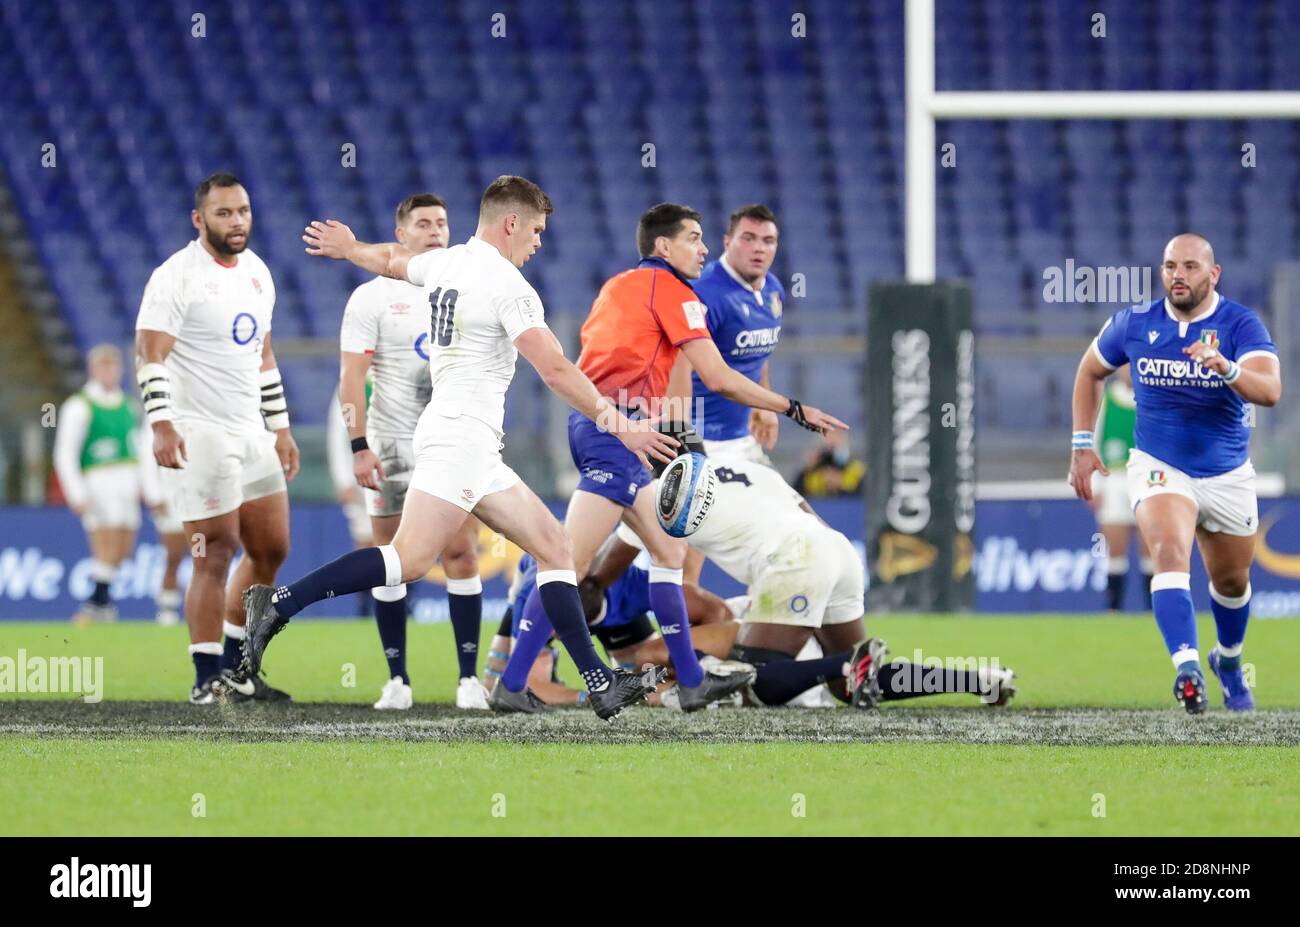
554 603
669 606
390 616
465 604
1171 597
353 572
1230 618
230 652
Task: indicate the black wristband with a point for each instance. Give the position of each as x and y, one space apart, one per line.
359 444
795 412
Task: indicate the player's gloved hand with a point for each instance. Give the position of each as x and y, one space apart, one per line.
331 239
367 468
641 437
763 425
168 446
813 419
1083 465
287 450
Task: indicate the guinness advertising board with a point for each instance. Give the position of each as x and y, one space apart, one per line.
920 447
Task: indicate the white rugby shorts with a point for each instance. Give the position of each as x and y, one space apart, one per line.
397 457
1225 503
112 497
815 579
222 471
458 459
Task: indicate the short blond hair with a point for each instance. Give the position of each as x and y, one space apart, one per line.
101 352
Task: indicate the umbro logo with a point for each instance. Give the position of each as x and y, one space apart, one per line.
1249 521
1152 336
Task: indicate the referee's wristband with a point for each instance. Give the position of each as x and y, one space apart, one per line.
360 444
1081 441
1234 371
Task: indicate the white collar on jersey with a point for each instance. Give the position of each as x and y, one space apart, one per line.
756 290
1182 325
103 396
474 243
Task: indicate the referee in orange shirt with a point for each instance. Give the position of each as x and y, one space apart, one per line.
640 321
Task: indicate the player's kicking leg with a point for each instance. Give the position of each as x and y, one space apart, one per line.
521 517
1167 521
591 517
1227 559
428 525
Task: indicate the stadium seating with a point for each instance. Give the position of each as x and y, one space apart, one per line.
431 99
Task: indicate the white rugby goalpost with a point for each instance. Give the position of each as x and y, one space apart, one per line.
923 105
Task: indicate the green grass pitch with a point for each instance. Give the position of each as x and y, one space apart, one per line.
1093 744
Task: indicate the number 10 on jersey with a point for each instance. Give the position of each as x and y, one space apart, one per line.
444 315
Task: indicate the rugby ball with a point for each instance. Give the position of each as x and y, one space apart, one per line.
685 494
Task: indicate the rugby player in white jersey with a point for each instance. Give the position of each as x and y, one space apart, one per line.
805 580
1199 360
213 397
384 334
483 314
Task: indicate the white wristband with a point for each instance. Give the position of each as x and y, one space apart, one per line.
1234 371
1081 441
155 392
275 409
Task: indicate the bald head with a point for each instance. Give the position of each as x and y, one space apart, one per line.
1190 243
1189 273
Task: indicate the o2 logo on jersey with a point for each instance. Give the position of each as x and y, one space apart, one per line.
419 345
799 604
244 328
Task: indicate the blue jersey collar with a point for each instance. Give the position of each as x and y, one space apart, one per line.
664 265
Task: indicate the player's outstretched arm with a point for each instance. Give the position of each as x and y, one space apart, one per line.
719 378
763 423
1257 379
1088 382
151 349
541 349
333 239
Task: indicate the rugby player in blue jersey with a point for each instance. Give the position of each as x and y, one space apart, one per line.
745 302
1199 361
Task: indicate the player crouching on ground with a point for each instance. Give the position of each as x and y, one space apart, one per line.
806 581
1198 360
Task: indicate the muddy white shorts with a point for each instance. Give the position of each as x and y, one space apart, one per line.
397 457
1225 502
814 579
